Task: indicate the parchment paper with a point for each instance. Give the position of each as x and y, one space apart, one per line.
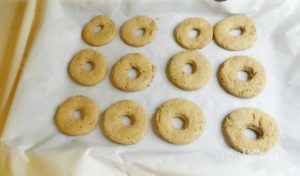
36 147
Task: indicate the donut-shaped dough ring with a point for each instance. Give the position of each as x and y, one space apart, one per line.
144 23
85 77
261 123
106 32
204 29
66 122
201 70
145 72
235 43
189 112
116 131
228 76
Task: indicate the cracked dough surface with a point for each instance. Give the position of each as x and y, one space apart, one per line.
144 23
228 76
243 41
145 72
265 127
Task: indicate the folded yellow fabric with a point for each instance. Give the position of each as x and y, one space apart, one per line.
18 20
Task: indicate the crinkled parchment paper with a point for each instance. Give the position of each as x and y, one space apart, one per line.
35 147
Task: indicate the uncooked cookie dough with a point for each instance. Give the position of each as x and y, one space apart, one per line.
145 24
99 31
228 76
249 118
235 43
90 77
189 112
204 29
115 130
144 69
201 70
66 122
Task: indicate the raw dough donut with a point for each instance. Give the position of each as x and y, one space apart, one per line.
66 122
189 112
91 77
115 130
107 31
145 72
235 43
249 118
201 70
227 76
144 23
204 29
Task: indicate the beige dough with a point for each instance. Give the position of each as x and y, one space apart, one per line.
227 76
145 72
189 112
115 130
235 43
205 33
265 127
98 70
66 122
201 70
107 31
144 23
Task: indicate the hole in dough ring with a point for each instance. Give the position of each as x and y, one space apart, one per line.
67 124
235 43
145 72
77 67
201 70
204 29
144 23
114 128
265 127
228 76
102 37
189 112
